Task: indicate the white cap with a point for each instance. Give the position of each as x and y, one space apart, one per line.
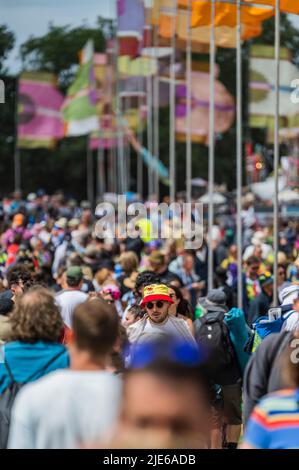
289 294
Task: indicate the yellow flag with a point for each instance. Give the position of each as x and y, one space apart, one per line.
143 66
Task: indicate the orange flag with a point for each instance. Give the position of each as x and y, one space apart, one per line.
286 6
226 14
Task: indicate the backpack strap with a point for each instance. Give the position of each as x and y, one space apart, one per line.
7 366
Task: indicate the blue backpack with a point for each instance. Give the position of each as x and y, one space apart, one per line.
262 329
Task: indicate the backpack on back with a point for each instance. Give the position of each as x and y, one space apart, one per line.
7 399
262 328
212 333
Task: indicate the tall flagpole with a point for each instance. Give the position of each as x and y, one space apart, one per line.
156 113
89 182
172 90
276 146
120 136
100 173
149 92
211 145
188 106
239 154
17 160
140 138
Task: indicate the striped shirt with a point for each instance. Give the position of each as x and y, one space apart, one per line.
274 423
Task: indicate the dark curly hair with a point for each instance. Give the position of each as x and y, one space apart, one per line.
36 317
18 273
146 278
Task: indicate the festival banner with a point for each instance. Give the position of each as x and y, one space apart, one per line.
79 108
39 119
262 96
200 104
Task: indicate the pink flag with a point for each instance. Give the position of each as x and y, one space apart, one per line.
39 103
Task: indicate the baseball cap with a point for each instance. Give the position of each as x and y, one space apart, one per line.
75 273
289 294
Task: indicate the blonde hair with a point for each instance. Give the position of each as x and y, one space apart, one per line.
102 276
129 261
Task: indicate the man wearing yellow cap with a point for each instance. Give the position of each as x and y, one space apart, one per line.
157 321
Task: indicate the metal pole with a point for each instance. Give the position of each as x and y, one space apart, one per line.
112 170
188 105
140 138
211 144
101 189
156 115
149 92
17 160
172 90
239 154
276 146
90 189
120 137
128 157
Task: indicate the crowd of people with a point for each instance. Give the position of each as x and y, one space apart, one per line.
119 343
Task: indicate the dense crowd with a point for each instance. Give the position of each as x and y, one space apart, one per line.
118 343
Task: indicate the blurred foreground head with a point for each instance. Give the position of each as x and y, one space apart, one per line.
166 402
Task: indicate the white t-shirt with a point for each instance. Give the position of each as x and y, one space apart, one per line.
68 300
146 330
65 409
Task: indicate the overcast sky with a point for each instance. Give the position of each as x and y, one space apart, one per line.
32 17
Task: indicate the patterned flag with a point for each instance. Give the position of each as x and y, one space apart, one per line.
39 118
262 89
200 103
79 108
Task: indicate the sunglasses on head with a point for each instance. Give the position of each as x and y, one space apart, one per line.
150 305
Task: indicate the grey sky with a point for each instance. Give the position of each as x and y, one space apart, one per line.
32 17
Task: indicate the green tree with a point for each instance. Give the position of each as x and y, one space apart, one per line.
58 50
7 41
65 166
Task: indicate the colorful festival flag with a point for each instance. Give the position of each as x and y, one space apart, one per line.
39 118
286 6
200 103
79 108
130 27
262 89
226 14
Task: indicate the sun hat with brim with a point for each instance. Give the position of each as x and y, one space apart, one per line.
156 258
155 292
